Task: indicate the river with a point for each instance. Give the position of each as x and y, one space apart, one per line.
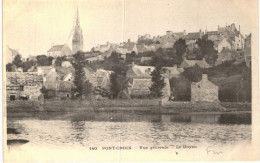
135 129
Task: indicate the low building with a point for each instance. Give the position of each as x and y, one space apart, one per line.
191 63
204 91
23 86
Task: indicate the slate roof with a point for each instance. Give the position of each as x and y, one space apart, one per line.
56 48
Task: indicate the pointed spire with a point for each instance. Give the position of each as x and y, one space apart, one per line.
77 17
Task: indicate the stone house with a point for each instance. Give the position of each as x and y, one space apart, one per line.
204 91
23 86
50 77
59 51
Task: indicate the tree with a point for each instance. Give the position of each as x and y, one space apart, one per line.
43 60
118 80
79 63
9 67
59 61
157 79
207 49
18 61
87 88
193 73
181 87
130 57
180 47
27 65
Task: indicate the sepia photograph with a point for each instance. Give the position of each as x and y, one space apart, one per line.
130 80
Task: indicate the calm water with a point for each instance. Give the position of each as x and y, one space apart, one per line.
134 129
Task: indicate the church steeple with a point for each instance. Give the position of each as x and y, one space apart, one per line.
77 17
77 40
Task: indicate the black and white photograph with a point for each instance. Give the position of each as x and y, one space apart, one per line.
130 80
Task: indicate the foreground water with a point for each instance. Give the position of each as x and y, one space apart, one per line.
135 129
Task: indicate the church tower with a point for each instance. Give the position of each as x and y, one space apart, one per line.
77 39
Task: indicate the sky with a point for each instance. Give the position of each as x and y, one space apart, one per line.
32 26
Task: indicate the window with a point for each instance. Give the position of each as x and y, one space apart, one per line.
68 95
198 86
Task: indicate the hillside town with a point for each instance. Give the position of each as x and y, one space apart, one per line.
178 66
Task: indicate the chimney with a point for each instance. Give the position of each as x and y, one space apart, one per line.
204 77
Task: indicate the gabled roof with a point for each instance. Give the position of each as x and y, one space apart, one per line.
56 48
64 71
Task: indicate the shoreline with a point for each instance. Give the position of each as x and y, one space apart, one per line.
73 106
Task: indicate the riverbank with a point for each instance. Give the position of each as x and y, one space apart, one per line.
26 108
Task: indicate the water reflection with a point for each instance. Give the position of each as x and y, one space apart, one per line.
244 118
117 128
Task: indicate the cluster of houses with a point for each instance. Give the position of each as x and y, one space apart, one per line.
228 42
59 82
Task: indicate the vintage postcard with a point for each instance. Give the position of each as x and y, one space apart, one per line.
130 80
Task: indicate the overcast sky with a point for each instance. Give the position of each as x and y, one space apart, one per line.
33 25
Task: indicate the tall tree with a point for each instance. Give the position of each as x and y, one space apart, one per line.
207 49
87 88
157 79
180 47
79 62
118 80
18 61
